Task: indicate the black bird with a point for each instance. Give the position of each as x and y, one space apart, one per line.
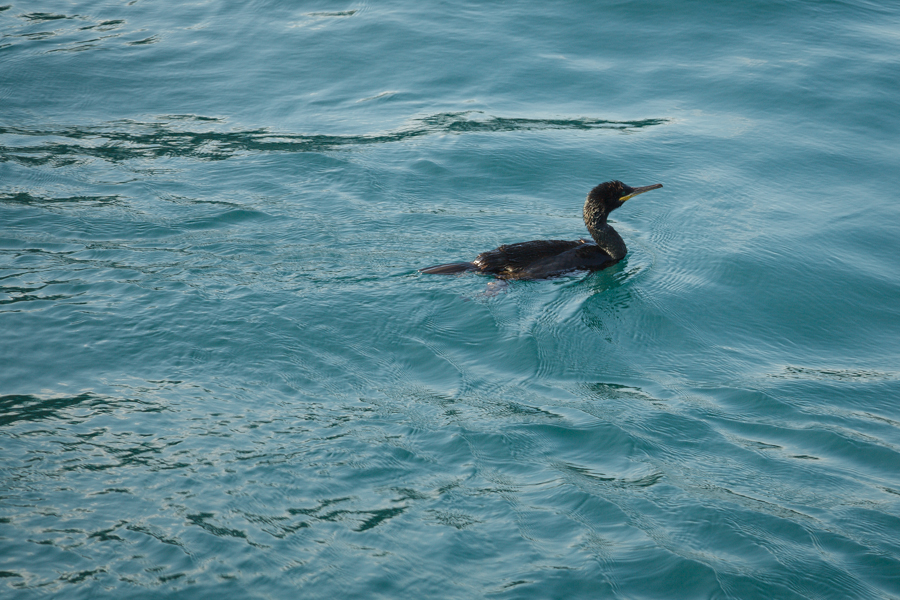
545 258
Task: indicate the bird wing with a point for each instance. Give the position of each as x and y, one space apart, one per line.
515 257
586 257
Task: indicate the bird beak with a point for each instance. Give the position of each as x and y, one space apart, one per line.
640 190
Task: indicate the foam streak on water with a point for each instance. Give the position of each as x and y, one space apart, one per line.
221 373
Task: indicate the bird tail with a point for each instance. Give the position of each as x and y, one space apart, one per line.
449 269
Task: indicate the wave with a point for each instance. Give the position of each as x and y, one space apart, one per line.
124 140
18 407
833 374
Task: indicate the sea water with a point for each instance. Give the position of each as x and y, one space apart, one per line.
222 374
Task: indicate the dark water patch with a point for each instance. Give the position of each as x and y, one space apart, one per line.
202 520
374 518
317 509
476 121
340 13
106 25
16 408
113 491
68 32
41 17
32 199
80 576
796 372
36 36
608 391
153 39
191 117
454 518
156 534
130 140
366 519
30 408
26 297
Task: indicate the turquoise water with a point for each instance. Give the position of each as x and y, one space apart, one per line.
221 372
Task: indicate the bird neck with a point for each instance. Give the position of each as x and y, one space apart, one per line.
609 240
603 233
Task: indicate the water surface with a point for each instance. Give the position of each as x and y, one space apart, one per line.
223 374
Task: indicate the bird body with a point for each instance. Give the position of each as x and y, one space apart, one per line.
540 259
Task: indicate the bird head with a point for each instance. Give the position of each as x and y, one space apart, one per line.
607 197
610 195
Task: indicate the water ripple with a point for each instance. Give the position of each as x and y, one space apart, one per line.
120 141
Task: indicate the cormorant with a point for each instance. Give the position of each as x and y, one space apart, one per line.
545 258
